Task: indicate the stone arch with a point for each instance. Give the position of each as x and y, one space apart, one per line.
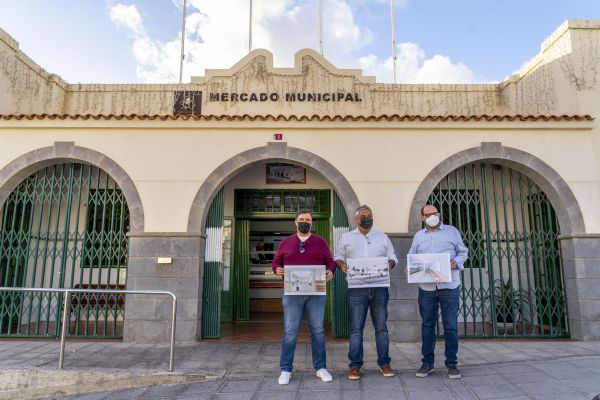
558 191
276 152
20 168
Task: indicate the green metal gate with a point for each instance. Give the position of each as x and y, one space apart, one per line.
213 269
64 226
341 318
512 284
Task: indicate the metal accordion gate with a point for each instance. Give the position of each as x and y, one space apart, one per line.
512 284
65 226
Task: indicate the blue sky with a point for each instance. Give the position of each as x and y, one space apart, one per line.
131 41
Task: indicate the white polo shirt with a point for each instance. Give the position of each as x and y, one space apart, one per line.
354 244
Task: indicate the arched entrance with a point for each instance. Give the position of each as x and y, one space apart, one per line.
247 217
64 225
512 284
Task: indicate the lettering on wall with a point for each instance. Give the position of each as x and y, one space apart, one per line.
290 97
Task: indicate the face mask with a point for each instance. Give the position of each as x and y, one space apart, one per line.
304 227
432 221
366 222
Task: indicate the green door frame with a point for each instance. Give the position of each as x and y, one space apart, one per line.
329 222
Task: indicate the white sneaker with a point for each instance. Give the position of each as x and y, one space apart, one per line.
324 375
284 378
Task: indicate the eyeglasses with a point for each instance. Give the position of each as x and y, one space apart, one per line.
302 247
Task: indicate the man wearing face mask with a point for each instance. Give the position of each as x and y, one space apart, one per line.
439 238
303 248
365 242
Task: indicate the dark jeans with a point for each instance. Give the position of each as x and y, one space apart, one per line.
359 302
293 310
448 300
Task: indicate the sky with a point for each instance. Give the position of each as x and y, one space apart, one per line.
138 41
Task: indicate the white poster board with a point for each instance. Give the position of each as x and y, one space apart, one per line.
429 268
368 272
304 280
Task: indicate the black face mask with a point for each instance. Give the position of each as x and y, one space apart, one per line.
304 227
366 222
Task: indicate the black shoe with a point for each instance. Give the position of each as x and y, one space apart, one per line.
424 371
454 373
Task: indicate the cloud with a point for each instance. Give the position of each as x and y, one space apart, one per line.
127 17
217 37
413 66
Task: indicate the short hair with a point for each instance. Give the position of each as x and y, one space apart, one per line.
363 207
303 212
427 205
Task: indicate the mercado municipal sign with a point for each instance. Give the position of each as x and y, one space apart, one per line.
297 96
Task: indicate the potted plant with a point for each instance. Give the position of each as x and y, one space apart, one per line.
508 301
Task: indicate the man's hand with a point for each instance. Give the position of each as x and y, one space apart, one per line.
342 266
328 276
391 264
279 271
453 264
406 270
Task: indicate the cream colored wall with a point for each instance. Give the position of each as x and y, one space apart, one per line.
384 166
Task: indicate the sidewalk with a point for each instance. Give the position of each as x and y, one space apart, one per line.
491 369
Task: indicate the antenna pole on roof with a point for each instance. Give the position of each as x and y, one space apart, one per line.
182 42
321 25
394 57
250 30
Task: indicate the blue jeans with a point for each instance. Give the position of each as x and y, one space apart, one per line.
359 302
448 300
293 310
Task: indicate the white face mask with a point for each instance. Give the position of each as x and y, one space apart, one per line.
432 221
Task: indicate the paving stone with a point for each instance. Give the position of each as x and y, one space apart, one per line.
275 396
311 382
545 388
319 395
497 392
233 396
271 384
352 395
241 385
206 387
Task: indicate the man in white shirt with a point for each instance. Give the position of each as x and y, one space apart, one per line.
365 242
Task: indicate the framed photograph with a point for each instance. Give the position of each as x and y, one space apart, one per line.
368 272
285 173
429 268
304 280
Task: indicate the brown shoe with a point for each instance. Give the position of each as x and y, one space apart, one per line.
387 371
354 374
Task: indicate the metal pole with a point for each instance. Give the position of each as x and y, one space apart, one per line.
172 354
250 29
321 25
63 333
182 41
394 58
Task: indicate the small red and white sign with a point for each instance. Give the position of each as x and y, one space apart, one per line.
278 136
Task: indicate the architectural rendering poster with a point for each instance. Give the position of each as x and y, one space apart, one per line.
429 268
368 272
304 280
285 173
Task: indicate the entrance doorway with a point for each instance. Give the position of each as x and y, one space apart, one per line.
242 296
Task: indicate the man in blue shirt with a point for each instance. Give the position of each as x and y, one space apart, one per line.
439 238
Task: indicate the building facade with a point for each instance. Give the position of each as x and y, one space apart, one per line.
97 182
